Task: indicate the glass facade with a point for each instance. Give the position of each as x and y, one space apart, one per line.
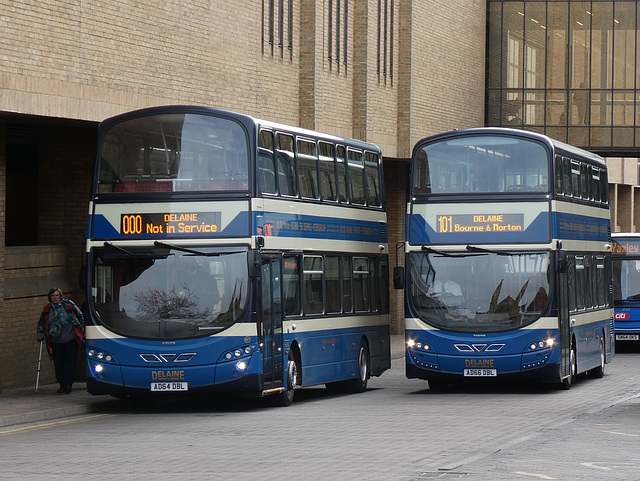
567 69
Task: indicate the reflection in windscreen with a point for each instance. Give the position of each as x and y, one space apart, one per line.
159 293
174 152
479 293
481 164
626 281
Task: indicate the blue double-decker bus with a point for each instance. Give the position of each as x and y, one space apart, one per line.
228 253
508 259
626 285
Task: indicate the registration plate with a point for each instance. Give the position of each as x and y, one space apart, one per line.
480 372
169 386
627 337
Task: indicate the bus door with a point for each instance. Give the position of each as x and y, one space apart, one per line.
271 322
564 323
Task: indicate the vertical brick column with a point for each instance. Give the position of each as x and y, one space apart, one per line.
404 79
307 72
360 69
396 177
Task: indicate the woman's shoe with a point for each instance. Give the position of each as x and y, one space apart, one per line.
62 390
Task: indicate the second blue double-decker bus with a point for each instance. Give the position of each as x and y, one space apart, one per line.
508 259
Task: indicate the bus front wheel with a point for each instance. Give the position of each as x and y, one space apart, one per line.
285 398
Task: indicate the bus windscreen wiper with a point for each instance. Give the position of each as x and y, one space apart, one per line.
118 248
138 253
489 251
442 253
195 252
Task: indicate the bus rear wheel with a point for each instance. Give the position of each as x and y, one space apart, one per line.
568 381
359 384
598 372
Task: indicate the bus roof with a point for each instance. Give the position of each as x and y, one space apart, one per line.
553 144
246 120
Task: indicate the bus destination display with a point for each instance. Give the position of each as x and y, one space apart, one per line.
459 223
185 223
626 246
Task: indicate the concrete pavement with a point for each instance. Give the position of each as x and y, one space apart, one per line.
25 405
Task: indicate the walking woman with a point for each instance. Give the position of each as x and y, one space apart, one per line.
61 325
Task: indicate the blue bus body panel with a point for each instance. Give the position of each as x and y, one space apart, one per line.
200 362
508 353
564 226
580 227
291 225
332 355
327 356
627 321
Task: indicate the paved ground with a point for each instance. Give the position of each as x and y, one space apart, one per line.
25 405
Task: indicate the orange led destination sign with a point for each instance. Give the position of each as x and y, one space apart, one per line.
626 246
460 223
185 223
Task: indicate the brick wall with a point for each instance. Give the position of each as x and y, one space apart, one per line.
396 177
66 152
29 273
84 61
66 157
92 60
447 66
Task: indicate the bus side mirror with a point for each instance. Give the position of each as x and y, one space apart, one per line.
561 261
254 263
398 277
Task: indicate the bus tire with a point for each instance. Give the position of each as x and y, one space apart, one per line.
359 384
285 398
598 372
571 378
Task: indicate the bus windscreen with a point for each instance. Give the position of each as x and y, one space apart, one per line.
481 164
174 152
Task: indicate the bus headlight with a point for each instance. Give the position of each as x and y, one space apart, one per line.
542 344
101 356
239 352
98 370
241 367
419 345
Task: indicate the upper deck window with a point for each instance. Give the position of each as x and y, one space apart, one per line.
174 152
481 164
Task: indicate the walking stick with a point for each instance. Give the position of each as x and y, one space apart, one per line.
39 361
